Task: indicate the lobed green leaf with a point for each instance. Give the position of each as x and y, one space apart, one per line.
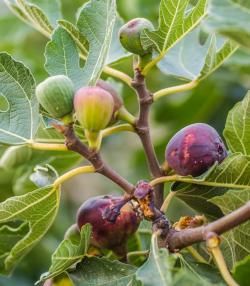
241 271
230 18
96 22
176 19
236 242
210 54
19 122
62 57
102 272
237 127
37 210
231 174
69 252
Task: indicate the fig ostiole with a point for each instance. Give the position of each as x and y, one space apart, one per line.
130 35
55 95
107 234
194 149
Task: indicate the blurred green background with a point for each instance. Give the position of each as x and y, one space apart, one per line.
209 102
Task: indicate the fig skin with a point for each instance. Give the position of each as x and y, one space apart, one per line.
94 107
55 95
130 35
118 103
106 234
194 149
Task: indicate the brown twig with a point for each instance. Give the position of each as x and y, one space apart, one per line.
142 128
177 240
73 143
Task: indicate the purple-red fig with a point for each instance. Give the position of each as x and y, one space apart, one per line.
194 149
106 234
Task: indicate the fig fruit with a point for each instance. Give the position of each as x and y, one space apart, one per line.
118 103
106 234
130 35
94 108
55 95
194 149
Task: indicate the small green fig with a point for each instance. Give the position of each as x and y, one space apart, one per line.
55 95
130 35
94 108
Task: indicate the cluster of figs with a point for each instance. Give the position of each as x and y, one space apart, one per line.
192 150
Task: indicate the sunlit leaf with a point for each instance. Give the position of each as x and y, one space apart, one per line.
38 209
19 123
237 127
69 252
96 22
176 19
102 272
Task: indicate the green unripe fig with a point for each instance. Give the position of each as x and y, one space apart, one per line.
94 108
55 95
130 35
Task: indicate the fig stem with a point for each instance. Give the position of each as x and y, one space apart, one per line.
176 178
137 253
213 246
118 74
196 255
176 240
143 130
174 89
47 146
123 114
94 139
118 128
167 201
73 173
73 143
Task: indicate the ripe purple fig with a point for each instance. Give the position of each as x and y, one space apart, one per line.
130 35
94 108
106 234
194 149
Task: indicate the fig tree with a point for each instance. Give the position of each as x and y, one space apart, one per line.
130 35
55 95
107 234
94 108
194 149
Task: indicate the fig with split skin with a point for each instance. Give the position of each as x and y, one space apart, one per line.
107 234
194 149
55 95
130 35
